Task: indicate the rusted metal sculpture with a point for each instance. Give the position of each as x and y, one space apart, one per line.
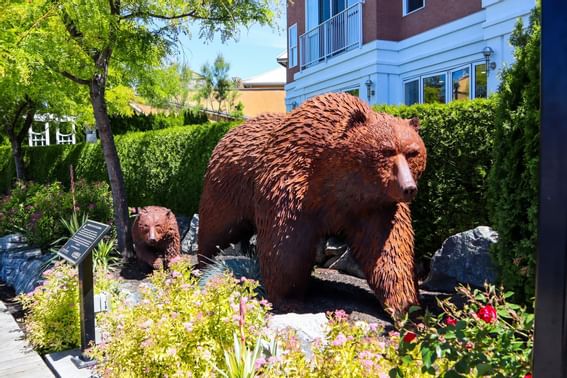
156 236
332 166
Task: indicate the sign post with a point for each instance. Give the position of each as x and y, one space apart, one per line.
77 251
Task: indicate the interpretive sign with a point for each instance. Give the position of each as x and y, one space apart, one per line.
83 241
77 251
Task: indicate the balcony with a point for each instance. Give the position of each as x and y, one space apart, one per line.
336 35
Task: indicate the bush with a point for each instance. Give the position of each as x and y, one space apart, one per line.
37 210
125 124
514 180
52 319
452 191
487 337
179 329
164 167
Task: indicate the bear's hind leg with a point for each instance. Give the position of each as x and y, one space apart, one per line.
287 256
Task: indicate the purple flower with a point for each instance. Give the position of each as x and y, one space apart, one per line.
341 315
260 362
339 340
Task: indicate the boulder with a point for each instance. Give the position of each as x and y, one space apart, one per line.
463 258
183 223
345 263
189 242
308 327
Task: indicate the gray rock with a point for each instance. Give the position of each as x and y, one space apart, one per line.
345 263
463 258
309 328
22 268
183 223
189 243
12 241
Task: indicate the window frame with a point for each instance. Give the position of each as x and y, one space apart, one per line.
290 49
422 87
471 83
405 8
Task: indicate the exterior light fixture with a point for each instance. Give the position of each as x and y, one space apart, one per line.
369 88
488 52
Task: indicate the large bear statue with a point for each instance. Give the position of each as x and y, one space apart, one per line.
156 237
332 166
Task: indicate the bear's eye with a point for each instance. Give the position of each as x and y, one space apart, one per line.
388 152
412 153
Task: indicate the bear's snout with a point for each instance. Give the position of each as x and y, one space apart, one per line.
407 185
152 236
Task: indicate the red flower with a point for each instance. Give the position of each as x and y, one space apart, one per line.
450 321
487 313
409 337
529 375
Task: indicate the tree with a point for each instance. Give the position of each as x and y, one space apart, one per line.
218 85
87 40
26 86
514 178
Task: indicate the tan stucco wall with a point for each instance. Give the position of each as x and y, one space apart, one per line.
261 101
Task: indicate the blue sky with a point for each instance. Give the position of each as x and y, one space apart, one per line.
255 51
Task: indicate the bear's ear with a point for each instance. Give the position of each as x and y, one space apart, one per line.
414 122
357 118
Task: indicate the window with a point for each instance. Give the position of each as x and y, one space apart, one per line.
411 91
353 91
413 5
460 84
292 42
434 89
480 87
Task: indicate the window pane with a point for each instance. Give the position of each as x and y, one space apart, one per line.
354 92
413 5
461 84
434 89
480 88
411 90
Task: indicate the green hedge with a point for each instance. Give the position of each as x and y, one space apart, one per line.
514 179
164 167
126 124
452 191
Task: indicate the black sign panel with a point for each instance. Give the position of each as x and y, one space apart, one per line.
83 241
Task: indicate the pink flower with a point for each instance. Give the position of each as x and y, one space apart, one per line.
264 303
409 337
341 315
188 326
176 259
260 362
171 351
147 343
469 345
373 326
147 324
274 359
487 314
339 340
450 321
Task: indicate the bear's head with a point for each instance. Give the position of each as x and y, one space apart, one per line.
382 156
154 223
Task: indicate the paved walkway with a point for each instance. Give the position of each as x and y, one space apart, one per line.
17 358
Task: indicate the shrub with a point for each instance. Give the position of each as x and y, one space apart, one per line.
514 179
178 329
52 319
37 210
452 191
487 337
164 167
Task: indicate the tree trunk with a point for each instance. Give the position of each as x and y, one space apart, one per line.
119 198
18 159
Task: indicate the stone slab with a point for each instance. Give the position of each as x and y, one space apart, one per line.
63 366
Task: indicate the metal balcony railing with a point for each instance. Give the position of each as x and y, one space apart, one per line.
339 33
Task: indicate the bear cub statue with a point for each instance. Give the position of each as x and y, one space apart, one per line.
156 237
332 166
